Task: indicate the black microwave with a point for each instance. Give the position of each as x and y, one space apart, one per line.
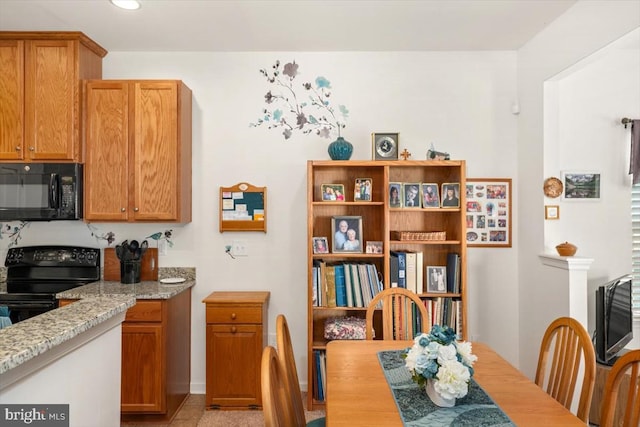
40 191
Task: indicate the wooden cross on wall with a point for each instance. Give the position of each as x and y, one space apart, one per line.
405 154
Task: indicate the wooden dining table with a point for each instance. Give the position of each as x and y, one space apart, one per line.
358 393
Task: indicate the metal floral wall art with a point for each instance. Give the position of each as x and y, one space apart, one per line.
12 232
303 106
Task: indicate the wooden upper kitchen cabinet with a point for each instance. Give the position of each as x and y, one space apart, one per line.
41 77
138 151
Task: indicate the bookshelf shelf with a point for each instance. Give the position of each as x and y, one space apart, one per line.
379 220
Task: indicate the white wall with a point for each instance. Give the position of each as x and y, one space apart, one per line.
583 30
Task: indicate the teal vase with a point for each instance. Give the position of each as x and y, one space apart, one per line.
340 149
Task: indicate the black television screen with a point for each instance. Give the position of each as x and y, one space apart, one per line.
614 318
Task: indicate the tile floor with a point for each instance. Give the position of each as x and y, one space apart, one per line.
187 416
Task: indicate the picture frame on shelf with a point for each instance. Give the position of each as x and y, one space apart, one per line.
346 233
332 192
373 247
450 195
395 195
385 146
320 245
436 279
488 212
362 190
411 195
430 195
552 212
581 185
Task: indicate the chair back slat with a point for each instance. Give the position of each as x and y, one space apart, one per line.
564 345
275 403
403 314
627 364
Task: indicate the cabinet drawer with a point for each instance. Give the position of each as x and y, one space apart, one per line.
234 314
145 311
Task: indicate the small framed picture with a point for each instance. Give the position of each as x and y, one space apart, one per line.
373 247
411 192
320 245
395 194
385 146
430 195
552 212
347 234
581 186
362 190
450 195
332 192
437 279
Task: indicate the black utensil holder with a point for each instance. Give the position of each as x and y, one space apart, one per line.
130 271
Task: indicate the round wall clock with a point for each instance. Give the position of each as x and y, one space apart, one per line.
385 146
552 187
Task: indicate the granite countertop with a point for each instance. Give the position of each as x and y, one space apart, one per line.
26 340
142 290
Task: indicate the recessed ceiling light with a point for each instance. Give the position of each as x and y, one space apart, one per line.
126 4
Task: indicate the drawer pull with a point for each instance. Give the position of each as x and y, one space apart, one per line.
234 330
233 316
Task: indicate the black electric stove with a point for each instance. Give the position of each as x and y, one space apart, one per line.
35 274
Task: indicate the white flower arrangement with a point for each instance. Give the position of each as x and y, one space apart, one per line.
440 357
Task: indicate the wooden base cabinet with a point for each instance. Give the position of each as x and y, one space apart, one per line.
602 373
41 97
138 143
236 336
156 358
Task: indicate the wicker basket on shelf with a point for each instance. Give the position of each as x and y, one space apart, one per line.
418 235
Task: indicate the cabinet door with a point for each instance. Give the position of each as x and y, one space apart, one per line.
143 368
11 99
155 151
51 99
233 365
107 151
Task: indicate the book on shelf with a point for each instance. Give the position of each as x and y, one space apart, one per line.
402 268
330 275
357 287
411 273
420 288
348 285
393 269
453 272
341 286
314 279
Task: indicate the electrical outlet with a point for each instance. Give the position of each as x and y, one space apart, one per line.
162 247
239 248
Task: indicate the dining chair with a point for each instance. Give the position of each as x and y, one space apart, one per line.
404 314
275 403
627 364
288 365
564 344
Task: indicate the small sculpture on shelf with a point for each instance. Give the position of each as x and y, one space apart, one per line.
433 154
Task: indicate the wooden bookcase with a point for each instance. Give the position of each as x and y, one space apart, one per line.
379 221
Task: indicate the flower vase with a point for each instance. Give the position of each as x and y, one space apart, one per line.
436 398
340 149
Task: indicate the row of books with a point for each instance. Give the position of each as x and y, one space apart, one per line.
344 284
440 311
407 270
320 384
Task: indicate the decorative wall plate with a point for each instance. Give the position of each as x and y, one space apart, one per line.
385 146
552 187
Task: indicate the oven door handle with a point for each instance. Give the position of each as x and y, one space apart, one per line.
27 305
54 186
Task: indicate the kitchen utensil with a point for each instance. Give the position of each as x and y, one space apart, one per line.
134 245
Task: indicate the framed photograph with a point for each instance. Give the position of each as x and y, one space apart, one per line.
430 195
411 195
332 192
385 146
373 247
437 279
552 212
450 195
488 212
581 185
395 194
347 234
320 245
362 190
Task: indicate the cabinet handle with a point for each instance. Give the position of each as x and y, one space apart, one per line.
136 209
32 149
233 329
122 209
233 316
18 148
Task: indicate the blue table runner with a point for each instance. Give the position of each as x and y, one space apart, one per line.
416 409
